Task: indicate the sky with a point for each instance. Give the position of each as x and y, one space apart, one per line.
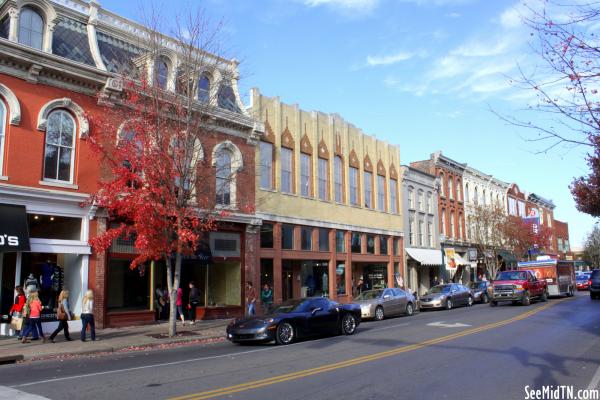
426 75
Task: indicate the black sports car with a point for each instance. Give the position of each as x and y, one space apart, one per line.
294 319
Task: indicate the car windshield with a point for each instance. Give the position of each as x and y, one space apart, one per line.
439 289
369 295
582 278
511 276
290 306
476 285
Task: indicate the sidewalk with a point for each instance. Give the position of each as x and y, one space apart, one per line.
113 340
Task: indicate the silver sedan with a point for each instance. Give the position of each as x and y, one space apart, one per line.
380 303
447 296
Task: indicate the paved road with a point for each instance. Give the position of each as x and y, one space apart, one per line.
495 355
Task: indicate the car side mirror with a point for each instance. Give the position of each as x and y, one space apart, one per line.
387 296
316 310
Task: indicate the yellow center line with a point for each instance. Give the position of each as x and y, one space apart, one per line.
358 360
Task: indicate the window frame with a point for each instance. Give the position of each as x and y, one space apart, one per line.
284 163
42 17
227 180
353 178
368 189
269 167
323 178
306 175
3 125
73 149
381 193
338 172
394 196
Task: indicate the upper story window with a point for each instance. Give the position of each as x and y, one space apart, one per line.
476 195
223 175
338 179
323 179
161 72
353 186
429 203
522 209
430 233
467 198
421 233
450 187
452 224
204 89
5 27
368 182
483 198
512 206
59 151
443 219
287 162
411 229
411 197
381 192
305 175
420 204
460 227
393 196
226 98
2 134
266 165
31 28
444 191
458 186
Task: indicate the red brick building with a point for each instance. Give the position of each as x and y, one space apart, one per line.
563 244
55 62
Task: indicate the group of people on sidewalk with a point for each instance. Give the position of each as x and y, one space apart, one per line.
162 303
266 299
26 316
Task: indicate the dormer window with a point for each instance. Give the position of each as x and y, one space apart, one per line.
31 28
204 89
161 72
226 98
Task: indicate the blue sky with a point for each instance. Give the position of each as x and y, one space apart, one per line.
423 74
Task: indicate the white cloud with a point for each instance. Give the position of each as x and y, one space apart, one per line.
374 61
359 5
453 15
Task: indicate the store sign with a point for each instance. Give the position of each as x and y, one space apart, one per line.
14 233
450 260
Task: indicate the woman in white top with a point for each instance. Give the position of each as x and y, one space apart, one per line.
87 315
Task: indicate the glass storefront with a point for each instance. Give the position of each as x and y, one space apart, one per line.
314 276
374 276
340 278
129 288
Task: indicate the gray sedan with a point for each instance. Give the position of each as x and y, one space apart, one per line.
381 303
447 296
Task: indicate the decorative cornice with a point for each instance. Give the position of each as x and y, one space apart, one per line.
305 146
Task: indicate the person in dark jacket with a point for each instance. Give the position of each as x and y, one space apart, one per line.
266 298
194 301
63 314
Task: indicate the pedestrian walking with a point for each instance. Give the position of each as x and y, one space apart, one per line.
87 316
179 305
63 314
250 299
33 307
194 301
266 299
16 311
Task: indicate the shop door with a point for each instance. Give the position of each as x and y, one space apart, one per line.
287 282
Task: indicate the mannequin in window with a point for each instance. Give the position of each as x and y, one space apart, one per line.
31 285
46 284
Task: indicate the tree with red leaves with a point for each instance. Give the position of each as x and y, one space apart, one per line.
523 237
158 187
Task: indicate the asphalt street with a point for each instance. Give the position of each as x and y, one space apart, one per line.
465 353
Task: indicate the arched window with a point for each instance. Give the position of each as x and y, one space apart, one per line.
450 187
59 151
476 195
204 89
443 185
223 188
2 134
483 199
467 198
31 28
161 72
411 197
458 187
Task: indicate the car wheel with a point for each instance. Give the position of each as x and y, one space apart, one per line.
348 324
470 302
449 304
485 299
493 303
285 333
544 296
379 315
526 299
409 309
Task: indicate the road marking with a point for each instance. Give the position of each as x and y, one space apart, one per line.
441 324
357 361
595 380
7 393
388 327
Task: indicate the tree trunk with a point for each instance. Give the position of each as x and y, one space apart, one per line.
172 286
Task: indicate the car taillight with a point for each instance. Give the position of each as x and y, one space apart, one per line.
590 282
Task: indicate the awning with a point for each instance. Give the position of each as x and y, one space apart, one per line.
426 256
14 231
460 260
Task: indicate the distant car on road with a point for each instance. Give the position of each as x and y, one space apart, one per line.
480 291
594 284
296 319
518 286
447 296
381 303
583 281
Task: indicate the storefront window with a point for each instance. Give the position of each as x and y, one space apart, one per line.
306 238
266 271
8 261
287 237
340 241
54 227
323 239
314 276
383 245
356 242
340 278
129 288
396 247
224 284
266 236
370 244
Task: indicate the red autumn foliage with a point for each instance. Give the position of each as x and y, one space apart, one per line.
521 237
586 190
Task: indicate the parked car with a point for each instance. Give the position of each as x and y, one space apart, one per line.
583 281
480 291
594 284
447 296
381 303
296 319
518 286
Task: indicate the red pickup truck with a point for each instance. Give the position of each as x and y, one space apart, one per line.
517 286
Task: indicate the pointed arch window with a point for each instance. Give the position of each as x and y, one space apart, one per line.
223 188
161 72
204 89
59 152
31 28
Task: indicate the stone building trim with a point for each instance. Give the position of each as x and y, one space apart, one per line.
64 103
14 108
